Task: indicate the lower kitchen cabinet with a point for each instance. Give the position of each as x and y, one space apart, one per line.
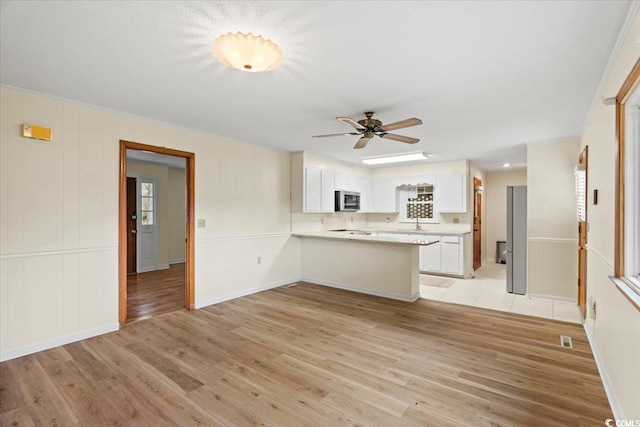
444 257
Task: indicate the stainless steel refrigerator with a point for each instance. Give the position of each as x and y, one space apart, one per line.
517 239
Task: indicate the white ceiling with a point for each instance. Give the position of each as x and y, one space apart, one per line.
485 77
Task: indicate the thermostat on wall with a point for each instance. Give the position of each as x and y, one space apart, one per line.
36 132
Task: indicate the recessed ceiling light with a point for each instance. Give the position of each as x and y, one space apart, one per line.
247 52
396 158
506 165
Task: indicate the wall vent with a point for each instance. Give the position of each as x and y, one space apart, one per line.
565 341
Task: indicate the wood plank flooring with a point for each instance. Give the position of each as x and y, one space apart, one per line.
311 355
155 292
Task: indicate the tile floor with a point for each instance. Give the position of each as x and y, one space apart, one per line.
488 290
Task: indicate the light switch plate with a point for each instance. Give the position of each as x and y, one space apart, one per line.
202 223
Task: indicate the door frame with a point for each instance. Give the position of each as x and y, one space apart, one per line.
122 224
477 185
582 237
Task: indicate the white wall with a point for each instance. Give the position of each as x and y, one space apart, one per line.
495 200
615 332
59 219
552 260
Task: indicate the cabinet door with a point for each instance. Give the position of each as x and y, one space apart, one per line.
384 195
430 256
450 251
312 189
451 193
341 181
327 200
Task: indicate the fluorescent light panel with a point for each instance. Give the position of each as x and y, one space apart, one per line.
396 159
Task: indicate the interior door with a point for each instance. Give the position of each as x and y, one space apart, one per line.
147 225
581 192
132 225
477 224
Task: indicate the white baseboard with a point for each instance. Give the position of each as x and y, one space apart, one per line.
156 268
45 345
243 293
176 261
606 381
383 294
553 298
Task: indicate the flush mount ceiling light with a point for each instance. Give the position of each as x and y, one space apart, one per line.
506 165
247 52
396 159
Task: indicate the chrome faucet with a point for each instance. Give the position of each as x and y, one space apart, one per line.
418 226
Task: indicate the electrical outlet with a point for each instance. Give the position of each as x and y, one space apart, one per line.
387 219
259 260
321 220
202 223
456 220
352 219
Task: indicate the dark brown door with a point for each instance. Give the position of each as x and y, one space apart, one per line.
131 225
477 224
582 234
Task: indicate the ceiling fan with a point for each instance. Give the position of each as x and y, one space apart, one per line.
370 127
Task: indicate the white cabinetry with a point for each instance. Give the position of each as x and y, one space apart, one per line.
446 256
363 186
384 195
451 255
318 190
451 193
430 256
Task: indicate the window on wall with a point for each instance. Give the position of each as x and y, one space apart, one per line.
628 188
416 202
147 203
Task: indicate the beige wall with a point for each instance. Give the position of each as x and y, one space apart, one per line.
177 214
495 200
615 332
552 261
59 222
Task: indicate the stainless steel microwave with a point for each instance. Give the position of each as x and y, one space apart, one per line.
347 201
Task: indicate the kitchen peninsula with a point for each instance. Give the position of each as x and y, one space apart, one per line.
377 263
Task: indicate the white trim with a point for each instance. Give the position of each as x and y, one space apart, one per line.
176 261
244 237
606 381
66 339
243 293
626 290
552 240
373 292
162 267
553 298
156 268
49 252
622 35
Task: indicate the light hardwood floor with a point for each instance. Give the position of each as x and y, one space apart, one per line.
155 292
311 355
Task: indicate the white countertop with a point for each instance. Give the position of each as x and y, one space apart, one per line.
404 237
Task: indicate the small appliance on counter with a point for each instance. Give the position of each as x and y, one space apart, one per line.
347 201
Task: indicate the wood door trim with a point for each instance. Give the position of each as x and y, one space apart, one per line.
477 182
122 223
631 82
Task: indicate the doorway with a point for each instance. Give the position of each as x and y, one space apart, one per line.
132 220
477 223
581 192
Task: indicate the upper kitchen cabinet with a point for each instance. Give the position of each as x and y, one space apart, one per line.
319 190
451 193
384 195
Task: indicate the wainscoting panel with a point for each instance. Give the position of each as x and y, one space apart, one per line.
553 268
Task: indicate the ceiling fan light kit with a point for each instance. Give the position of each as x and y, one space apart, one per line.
370 127
247 52
397 158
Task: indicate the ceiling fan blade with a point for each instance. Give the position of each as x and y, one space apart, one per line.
400 138
401 124
334 134
362 142
351 122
